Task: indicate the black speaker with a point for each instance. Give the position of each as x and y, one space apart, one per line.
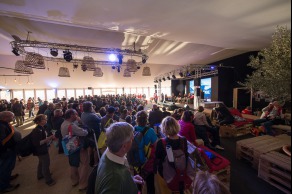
198 91
90 88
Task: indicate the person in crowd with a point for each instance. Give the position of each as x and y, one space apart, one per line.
102 111
90 119
187 128
17 109
50 114
155 116
7 152
149 140
247 110
203 127
43 107
177 113
170 128
165 113
40 142
207 183
57 121
223 115
133 118
30 107
123 115
274 117
113 173
79 160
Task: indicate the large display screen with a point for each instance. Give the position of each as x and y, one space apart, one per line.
192 87
206 88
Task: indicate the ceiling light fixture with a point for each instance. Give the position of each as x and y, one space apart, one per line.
146 71
120 58
173 76
54 52
67 55
181 74
144 59
15 51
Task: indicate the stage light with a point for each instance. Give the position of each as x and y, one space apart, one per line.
181 74
54 52
119 69
163 79
120 58
212 67
113 67
168 77
144 59
173 76
15 51
67 55
188 74
84 67
159 80
112 57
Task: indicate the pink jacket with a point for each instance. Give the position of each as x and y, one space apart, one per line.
187 129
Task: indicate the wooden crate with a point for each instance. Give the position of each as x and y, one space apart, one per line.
233 131
275 168
224 176
244 148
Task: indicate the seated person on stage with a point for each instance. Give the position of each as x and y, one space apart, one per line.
224 116
202 126
179 98
173 98
247 110
275 117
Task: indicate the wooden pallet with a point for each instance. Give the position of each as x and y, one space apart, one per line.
244 148
233 131
224 176
275 168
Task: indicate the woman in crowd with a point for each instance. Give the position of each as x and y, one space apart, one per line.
40 142
187 128
57 121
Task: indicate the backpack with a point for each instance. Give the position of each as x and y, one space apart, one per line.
136 155
24 147
179 174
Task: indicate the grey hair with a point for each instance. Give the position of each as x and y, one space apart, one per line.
5 114
118 134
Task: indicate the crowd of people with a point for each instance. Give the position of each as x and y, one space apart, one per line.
119 116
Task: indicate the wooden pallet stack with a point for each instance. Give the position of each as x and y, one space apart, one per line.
224 176
275 168
252 149
233 131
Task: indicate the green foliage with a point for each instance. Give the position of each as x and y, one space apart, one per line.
272 66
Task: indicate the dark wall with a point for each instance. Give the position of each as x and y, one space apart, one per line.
233 70
178 86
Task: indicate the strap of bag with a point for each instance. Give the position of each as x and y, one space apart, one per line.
108 121
9 136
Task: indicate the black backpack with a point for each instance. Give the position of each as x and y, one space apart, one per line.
24 147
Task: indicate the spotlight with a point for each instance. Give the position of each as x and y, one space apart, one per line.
67 55
113 67
163 79
54 52
112 57
144 58
168 77
119 69
120 57
181 74
159 80
188 74
155 81
15 51
173 76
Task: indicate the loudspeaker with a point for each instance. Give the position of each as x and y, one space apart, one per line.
90 88
198 91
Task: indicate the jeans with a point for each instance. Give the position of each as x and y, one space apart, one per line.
7 164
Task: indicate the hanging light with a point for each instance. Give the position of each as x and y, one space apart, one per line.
131 65
146 71
127 73
89 62
34 60
67 55
98 72
64 72
120 58
54 52
21 67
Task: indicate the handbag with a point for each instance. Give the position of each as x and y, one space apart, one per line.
101 142
70 143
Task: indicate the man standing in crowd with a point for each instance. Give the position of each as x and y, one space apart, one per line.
7 152
114 175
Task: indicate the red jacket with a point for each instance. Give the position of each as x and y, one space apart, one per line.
187 129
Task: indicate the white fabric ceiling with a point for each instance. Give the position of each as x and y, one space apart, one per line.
171 32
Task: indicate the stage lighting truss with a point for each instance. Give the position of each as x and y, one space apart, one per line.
120 53
190 72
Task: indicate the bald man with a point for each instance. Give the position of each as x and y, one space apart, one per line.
7 152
